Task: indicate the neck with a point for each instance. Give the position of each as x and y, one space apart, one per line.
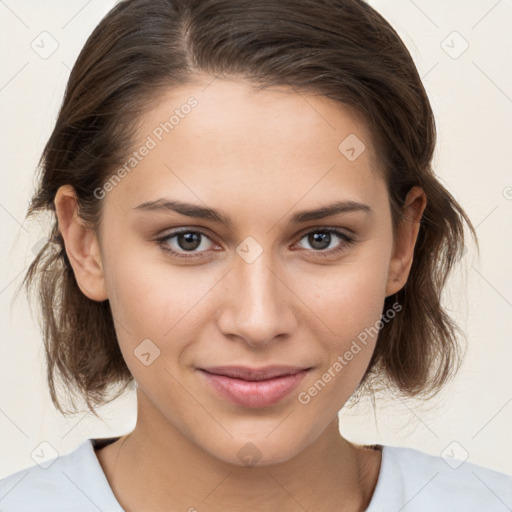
156 467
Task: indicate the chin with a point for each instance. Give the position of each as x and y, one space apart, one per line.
255 451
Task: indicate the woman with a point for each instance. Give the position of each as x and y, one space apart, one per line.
247 229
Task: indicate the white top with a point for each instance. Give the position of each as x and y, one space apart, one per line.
409 481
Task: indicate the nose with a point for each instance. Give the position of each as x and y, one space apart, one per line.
257 305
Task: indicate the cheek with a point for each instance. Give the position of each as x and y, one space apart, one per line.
348 297
347 304
351 309
152 300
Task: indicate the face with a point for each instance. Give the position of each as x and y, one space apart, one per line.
258 283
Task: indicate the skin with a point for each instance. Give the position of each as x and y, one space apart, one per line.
259 157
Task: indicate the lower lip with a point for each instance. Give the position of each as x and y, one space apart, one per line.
254 394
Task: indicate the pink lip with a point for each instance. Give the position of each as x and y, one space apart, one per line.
254 387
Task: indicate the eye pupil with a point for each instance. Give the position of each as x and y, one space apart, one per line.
321 237
191 240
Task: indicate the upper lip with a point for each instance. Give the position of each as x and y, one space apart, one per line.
246 373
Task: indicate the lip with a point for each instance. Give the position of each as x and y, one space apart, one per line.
254 387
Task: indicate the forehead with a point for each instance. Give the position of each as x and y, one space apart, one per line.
224 138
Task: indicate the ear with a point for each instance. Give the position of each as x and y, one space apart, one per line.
405 240
81 244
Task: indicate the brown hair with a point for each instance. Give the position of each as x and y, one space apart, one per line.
340 49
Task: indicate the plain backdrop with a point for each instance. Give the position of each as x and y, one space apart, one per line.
463 52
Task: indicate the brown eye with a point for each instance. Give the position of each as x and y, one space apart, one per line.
188 241
185 241
327 238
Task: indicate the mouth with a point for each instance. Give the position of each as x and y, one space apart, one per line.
254 387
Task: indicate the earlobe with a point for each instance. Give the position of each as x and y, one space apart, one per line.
81 245
405 241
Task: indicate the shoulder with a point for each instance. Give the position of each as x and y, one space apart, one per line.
413 480
72 482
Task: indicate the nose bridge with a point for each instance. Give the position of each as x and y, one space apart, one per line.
260 283
257 308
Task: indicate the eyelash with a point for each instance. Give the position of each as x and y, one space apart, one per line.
348 241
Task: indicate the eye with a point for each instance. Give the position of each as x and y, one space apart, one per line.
194 243
190 241
321 239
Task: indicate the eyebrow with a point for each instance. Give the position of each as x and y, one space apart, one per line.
202 212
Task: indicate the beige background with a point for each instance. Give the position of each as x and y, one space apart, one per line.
471 93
